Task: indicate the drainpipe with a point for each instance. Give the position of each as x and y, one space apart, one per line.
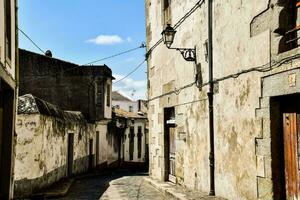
210 95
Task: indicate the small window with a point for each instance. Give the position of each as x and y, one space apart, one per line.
288 26
131 143
8 28
130 109
139 134
99 97
108 95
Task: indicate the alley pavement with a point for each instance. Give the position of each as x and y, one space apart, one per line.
117 186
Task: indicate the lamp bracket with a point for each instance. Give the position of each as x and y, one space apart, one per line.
189 54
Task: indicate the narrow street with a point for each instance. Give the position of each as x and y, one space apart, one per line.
117 186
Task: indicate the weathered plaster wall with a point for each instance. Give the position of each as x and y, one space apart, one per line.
9 65
137 123
241 41
41 150
125 105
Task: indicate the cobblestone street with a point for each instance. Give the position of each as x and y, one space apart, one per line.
119 186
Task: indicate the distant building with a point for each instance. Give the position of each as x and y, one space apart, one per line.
119 101
134 131
132 125
8 93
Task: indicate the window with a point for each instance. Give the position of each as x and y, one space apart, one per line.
108 95
130 109
131 143
117 106
8 28
166 12
99 95
288 26
139 141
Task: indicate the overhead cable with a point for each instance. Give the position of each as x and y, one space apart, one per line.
263 68
178 23
118 54
40 49
136 68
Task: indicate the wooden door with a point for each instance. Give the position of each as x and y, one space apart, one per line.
172 153
291 148
70 153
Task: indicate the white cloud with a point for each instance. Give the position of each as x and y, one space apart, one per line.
129 39
106 40
135 89
130 59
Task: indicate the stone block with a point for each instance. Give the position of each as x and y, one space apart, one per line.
266 128
263 147
268 167
264 102
262 112
264 188
260 166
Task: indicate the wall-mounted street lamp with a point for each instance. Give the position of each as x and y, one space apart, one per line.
189 54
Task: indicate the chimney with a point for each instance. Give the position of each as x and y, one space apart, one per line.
48 53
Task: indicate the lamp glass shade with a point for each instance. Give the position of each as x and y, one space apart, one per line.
168 35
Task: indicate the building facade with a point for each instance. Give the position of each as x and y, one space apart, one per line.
63 122
255 90
119 101
132 127
8 92
70 86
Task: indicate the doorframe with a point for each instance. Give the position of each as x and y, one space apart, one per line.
272 86
169 113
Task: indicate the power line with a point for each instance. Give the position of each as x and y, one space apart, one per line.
70 69
178 23
263 68
130 72
118 54
31 40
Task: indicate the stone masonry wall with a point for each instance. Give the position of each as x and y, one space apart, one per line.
243 39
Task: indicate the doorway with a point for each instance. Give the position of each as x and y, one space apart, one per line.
170 144
91 156
285 146
70 154
7 104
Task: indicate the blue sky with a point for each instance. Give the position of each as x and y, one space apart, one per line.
81 31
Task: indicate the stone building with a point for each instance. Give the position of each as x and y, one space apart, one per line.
119 101
255 71
53 144
132 127
8 92
70 86
63 122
